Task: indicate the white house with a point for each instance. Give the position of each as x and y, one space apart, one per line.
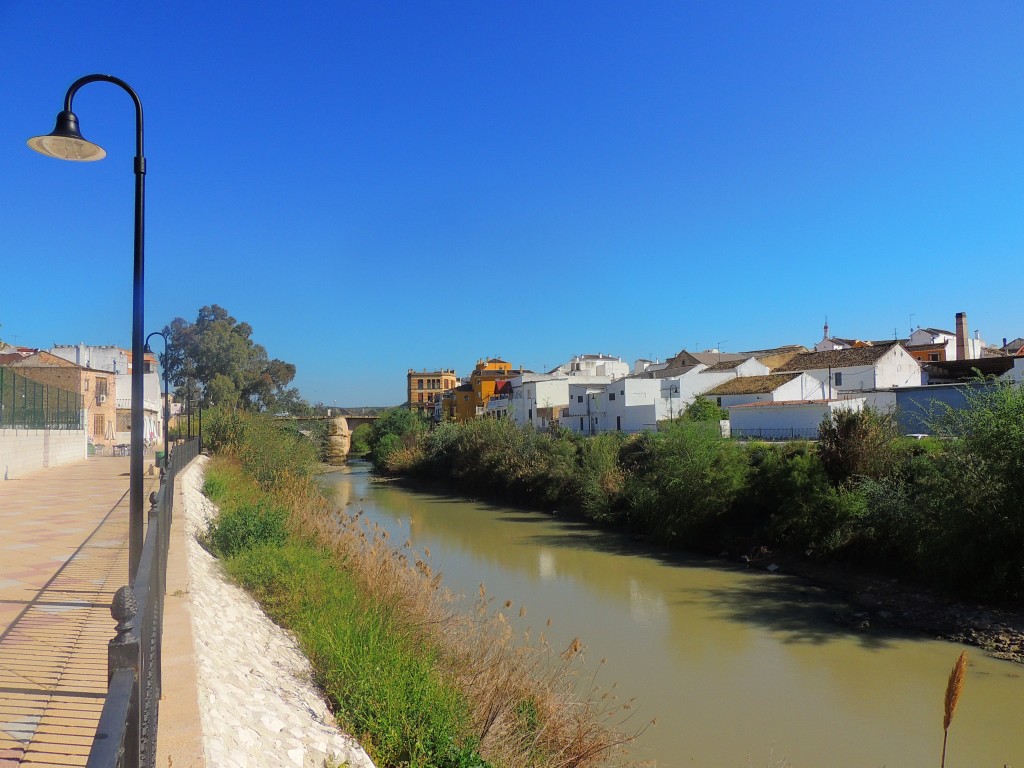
876 366
593 365
773 387
540 399
786 420
118 361
586 407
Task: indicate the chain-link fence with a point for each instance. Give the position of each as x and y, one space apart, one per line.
28 404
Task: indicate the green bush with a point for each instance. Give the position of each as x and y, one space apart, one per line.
684 483
975 540
855 444
238 529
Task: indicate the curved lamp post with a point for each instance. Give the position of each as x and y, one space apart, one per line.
66 142
167 402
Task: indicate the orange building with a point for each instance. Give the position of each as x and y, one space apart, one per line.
471 399
428 387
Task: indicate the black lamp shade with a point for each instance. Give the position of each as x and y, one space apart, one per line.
65 142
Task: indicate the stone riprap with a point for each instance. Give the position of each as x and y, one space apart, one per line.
258 704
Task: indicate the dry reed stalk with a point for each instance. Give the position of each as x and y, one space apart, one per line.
504 677
954 687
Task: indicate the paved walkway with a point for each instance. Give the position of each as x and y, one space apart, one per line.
63 554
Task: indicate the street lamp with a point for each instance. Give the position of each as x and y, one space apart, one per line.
65 142
167 402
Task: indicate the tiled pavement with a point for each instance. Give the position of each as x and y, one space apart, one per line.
63 554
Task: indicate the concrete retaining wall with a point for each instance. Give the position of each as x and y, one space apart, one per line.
29 450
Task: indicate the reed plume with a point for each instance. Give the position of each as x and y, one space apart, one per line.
954 688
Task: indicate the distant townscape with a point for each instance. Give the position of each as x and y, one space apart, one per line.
782 392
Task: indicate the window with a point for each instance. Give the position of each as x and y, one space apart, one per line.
611 395
579 398
839 378
529 414
101 386
581 423
86 385
99 424
419 383
933 357
618 423
419 397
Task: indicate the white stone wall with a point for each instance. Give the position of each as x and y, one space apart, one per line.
777 416
28 450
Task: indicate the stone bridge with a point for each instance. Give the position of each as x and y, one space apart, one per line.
339 436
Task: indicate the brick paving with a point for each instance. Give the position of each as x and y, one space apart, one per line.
63 554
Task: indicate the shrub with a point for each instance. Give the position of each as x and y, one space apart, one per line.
238 529
703 409
975 543
855 444
601 479
686 478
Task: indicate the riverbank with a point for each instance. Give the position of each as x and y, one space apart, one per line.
258 704
736 661
875 602
889 603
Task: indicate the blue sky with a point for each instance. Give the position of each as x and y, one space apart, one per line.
379 186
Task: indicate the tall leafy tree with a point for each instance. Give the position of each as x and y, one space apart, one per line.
219 358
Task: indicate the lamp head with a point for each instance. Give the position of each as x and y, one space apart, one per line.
65 142
147 349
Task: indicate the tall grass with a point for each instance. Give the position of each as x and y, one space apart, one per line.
421 682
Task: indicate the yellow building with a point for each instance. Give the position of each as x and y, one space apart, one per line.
471 399
428 387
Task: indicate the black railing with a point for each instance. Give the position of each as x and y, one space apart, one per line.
126 734
779 433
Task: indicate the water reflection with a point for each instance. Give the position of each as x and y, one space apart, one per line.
740 668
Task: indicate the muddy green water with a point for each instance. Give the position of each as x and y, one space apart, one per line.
741 669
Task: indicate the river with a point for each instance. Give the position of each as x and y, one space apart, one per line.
741 669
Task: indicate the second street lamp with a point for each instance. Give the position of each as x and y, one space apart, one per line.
167 402
66 142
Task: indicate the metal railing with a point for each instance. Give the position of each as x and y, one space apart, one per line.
126 734
780 433
29 404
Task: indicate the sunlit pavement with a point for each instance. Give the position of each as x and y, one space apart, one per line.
63 554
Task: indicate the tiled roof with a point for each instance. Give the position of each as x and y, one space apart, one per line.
775 350
925 347
728 365
753 385
711 358
836 358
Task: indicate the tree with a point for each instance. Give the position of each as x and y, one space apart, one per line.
703 409
218 357
857 444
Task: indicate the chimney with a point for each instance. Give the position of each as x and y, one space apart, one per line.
961 335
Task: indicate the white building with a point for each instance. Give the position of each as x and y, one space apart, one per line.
877 366
786 420
593 365
773 387
118 361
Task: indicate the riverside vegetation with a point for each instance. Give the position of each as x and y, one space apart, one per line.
943 512
417 681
